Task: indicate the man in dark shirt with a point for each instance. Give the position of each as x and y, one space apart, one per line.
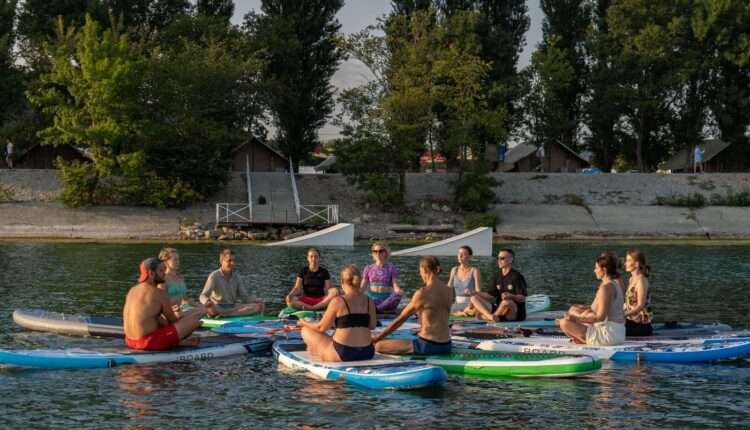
506 298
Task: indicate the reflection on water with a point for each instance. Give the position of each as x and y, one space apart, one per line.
690 281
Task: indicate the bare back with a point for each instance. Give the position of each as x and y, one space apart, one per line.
433 304
144 307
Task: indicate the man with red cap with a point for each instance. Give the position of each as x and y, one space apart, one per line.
148 318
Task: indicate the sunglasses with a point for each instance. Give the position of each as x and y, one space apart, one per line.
379 251
502 258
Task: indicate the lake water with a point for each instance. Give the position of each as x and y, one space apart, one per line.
690 281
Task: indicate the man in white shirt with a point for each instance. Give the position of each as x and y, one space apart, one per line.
9 154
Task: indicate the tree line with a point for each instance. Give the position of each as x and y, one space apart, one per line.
160 91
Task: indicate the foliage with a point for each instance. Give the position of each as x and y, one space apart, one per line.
741 199
299 39
694 200
79 182
476 220
6 194
159 123
473 192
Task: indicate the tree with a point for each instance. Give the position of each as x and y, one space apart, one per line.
645 35
564 29
11 89
500 32
299 39
550 76
603 106
159 125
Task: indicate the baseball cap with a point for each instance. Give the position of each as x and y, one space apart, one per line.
148 265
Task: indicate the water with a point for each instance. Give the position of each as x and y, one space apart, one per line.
691 281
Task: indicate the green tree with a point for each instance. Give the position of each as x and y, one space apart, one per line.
299 39
564 31
11 89
92 95
500 31
603 108
549 77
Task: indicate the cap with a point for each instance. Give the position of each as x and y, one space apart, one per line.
148 265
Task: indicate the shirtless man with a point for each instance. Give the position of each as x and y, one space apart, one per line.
148 318
433 303
224 288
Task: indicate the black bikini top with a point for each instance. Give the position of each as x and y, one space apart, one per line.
351 320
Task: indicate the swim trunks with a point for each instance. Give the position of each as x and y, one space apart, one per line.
312 301
423 346
162 339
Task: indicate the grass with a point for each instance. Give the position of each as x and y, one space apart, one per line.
476 220
694 201
577 200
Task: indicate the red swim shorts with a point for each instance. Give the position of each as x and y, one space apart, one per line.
162 339
312 301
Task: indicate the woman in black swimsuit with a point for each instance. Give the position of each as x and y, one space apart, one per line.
353 316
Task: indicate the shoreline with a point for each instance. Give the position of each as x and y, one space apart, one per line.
52 221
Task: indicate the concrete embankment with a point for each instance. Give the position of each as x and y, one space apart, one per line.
530 206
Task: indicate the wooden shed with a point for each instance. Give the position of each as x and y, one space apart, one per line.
43 156
260 157
718 156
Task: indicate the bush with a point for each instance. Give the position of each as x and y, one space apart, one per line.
79 182
83 186
476 220
381 190
741 199
473 192
694 200
6 194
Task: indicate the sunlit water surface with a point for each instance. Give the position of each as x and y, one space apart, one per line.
691 281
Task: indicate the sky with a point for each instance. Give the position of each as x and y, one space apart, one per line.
358 14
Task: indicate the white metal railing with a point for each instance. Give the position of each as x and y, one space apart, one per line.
294 190
228 213
329 214
249 186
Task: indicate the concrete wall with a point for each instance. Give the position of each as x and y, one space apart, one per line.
601 189
515 188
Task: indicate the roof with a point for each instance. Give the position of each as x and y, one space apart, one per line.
35 146
523 150
258 141
684 157
518 153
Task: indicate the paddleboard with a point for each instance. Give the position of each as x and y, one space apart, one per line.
74 325
662 331
491 364
381 372
84 358
84 325
664 351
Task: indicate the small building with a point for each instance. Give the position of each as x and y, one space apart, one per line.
259 157
718 156
43 156
527 158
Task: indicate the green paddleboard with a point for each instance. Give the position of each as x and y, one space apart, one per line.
220 321
472 362
290 311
